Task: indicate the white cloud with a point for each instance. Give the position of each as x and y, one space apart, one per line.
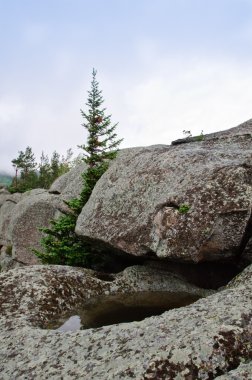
199 95
153 107
10 111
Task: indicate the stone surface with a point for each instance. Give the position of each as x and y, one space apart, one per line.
189 202
5 215
69 184
4 194
243 372
35 210
21 216
207 339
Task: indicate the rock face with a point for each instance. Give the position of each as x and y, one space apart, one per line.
185 202
69 184
20 223
4 194
5 215
21 216
206 340
29 215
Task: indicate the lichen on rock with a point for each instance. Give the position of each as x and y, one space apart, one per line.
206 339
136 205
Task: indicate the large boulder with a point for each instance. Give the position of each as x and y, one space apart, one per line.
7 210
209 338
69 184
22 215
184 202
20 224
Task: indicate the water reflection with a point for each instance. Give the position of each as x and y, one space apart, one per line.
71 324
108 310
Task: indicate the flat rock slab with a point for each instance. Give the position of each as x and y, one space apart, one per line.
210 338
189 202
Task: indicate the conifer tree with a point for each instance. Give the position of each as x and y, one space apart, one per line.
44 171
102 143
61 244
25 163
30 175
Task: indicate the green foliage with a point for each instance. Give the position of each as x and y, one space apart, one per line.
90 177
200 137
184 208
44 172
8 250
59 165
25 163
188 136
61 244
102 142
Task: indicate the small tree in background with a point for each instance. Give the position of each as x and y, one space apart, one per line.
44 171
25 163
27 176
60 165
61 244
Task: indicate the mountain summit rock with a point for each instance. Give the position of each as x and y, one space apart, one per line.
188 202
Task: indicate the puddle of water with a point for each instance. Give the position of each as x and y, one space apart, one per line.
109 310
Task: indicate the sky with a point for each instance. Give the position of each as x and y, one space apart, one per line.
164 66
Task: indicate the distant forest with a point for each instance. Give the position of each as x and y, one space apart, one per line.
28 174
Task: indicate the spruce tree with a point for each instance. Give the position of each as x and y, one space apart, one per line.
61 244
102 143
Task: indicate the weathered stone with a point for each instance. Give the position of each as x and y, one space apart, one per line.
189 202
243 372
69 184
5 215
204 340
4 194
34 211
33 192
6 261
3 190
21 216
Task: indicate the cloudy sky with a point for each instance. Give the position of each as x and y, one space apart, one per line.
163 65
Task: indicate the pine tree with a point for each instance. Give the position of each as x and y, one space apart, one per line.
102 142
25 161
26 164
61 244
